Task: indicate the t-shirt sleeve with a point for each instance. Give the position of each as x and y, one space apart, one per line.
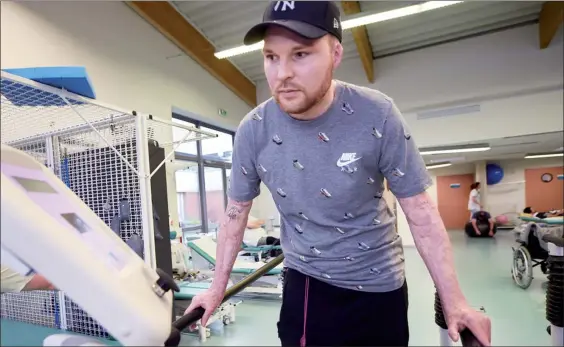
400 161
12 281
244 181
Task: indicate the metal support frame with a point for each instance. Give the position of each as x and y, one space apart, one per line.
142 141
556 332
51 144
202 188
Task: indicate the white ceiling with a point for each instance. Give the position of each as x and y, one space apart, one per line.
224 23
506 148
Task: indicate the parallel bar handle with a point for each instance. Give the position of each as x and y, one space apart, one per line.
193 316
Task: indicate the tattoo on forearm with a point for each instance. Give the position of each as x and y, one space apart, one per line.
233 212
236 208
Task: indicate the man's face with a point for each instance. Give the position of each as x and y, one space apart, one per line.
299 71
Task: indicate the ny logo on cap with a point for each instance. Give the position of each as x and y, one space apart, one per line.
335 23
285 5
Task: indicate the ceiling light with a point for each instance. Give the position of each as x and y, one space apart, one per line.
455 149
438 165
543 155
397 13
352 23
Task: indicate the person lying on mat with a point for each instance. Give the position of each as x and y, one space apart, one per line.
530 211
483 217
14 282
254 223
255 235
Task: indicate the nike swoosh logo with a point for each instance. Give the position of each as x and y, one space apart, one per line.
345 163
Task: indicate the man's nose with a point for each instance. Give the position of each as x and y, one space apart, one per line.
285 70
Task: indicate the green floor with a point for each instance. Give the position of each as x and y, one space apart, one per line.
484 272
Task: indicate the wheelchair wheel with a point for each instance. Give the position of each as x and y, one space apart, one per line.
522 270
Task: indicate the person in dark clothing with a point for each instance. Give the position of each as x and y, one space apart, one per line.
483 217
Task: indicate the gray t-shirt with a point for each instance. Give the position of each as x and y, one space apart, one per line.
326 178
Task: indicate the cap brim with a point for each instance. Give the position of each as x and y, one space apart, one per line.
256 33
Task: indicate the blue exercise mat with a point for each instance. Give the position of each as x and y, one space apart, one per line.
72 79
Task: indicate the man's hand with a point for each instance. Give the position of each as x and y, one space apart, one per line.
465 317
209 301
433 244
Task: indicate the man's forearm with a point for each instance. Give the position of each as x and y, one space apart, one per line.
38 282
230 237
432 242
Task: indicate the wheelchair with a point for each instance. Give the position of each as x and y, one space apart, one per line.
531 252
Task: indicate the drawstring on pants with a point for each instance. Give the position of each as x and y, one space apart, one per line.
306 295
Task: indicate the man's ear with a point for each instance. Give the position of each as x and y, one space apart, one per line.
337 49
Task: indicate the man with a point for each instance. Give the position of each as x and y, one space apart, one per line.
323 148
483 217
14 282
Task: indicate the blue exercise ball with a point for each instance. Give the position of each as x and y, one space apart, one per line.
494 174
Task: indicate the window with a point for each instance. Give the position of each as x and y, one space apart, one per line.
209 167
218 149
215 196
188 198
178 134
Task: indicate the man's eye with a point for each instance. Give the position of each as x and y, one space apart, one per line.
270 56
301 54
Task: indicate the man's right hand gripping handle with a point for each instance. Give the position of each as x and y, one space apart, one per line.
229 240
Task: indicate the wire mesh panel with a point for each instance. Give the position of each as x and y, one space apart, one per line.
95 150
104 181
80 142
37 307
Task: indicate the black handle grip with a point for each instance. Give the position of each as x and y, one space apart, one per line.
189 318
193 316
469 339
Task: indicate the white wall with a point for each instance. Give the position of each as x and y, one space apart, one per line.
492 70
130 64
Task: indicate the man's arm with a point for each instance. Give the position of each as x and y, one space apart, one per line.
244 186
38 282
432 242
475 225
229 240
14 282
408 179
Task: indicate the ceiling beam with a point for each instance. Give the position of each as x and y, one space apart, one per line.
169 22
550 19
360 35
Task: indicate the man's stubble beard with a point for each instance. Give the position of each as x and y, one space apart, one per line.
310 101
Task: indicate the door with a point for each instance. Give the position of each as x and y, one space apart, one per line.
544 196
452 198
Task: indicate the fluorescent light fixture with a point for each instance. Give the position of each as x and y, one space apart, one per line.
352 23
455 149
543 155
438 165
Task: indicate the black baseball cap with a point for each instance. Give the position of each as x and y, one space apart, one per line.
309 19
